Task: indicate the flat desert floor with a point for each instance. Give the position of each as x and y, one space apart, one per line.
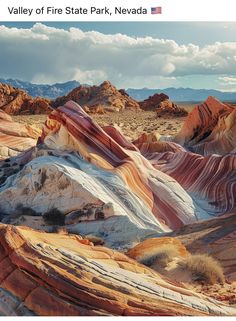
131 123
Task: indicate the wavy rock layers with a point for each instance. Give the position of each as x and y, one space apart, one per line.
16 101
70 128
209 129
97 99
210 180
53 274
98 172
15 137
216 237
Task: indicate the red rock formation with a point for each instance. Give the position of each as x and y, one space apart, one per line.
15 137
148 144
168 108
153 102
99 98
209 129
16 101
210 180
216 237
163 106
62 275
5 116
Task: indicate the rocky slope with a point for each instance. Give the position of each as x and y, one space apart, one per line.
131 194
16 101
63 275
216 237
209 129
163 106
99 98
124 193
15 137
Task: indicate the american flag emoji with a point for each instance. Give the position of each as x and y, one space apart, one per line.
156 10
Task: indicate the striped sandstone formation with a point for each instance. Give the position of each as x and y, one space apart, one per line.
216 237
15 137
63 275
209 129
106 187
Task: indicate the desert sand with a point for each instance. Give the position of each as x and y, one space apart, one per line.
130 123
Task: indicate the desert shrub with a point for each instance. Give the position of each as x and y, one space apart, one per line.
24 210
54 217
160 256
203 269
95 239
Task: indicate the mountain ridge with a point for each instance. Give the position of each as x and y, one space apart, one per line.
180 94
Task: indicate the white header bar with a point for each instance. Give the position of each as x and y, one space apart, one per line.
117 10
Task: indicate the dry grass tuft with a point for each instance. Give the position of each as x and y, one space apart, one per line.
203 269
159 257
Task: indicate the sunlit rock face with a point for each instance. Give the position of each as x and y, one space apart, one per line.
216 237
109 187
205 164
99 99
209 129
16 101
15 137
63 275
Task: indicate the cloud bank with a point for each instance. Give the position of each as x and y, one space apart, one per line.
45 54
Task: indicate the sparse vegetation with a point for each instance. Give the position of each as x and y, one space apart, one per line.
24 210
203 269
160 257
54 217
95 239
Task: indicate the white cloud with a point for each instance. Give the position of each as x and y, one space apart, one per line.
228 80
46 54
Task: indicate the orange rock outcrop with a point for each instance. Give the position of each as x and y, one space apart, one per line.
163 106
98 99
16 102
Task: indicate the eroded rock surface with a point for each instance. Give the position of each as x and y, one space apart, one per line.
62 275
163 106
15 137
97 99
216 237
209 129
16 101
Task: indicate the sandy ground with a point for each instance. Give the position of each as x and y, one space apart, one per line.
132 124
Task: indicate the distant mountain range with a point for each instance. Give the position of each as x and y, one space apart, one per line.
175 94
47 91
183 94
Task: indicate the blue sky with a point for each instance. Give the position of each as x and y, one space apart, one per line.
130 54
